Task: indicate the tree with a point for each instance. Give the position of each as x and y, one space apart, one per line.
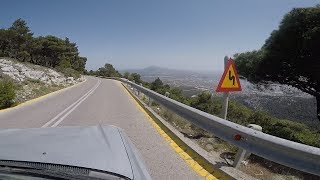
24 56
18 42
91 72
247 63
126 75
108 71
65 63
102 72
19 38
21 28
136 78
291 54
156 84
111 71
5 42
176 94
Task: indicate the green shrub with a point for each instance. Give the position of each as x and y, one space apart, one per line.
239 113
64 63
205 102
37 81
7 93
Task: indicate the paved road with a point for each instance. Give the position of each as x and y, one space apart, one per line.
102 101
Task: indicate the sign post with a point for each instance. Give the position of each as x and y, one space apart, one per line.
225 100
228 82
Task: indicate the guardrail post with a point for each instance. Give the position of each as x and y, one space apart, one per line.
149 101
139 91
135 91
239 157
243 154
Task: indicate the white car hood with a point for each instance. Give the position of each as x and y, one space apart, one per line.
95 147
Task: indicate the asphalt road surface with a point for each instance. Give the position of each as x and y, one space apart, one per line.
102 101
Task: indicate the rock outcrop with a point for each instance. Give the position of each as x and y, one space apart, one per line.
22 72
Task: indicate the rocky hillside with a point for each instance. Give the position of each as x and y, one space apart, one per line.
33 80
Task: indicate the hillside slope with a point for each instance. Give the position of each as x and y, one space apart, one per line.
31 81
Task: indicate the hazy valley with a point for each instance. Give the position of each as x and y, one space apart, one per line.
279 100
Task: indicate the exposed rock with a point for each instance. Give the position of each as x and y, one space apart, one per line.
8 69
22 72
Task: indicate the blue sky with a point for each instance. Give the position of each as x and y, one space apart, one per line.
179 34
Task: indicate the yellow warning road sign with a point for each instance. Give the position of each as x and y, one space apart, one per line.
229 80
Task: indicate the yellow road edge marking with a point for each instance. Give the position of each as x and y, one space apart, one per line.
41 97
204 169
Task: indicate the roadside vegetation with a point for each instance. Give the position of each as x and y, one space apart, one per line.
31 89
7 92
19 45
14 91
106 71
18 42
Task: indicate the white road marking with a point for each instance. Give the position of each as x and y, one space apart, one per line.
71 108
63 117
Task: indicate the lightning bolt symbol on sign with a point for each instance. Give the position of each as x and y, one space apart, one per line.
231 77
229 80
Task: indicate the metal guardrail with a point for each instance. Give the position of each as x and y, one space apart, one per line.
299 156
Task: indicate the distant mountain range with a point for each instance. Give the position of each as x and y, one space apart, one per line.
153 71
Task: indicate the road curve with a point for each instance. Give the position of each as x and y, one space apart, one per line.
102 101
